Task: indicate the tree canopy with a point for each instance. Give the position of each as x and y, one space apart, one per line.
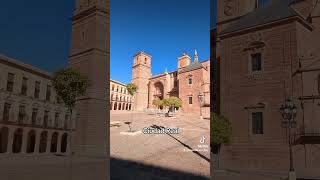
172 102
132 88
69 84
221 130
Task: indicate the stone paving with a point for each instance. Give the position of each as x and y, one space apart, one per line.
169 156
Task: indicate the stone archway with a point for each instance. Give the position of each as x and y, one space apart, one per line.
158 90
4 135
64 143
115 106
43 142
17 140
54 142
31 141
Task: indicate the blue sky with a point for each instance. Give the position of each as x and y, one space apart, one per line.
36 32
164 29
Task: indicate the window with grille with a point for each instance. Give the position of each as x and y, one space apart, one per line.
257 123
10 82
37 90
256 62
24 86
6 112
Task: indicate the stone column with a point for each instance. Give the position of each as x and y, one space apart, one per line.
37 144
59 142
10 140
24 140
49 142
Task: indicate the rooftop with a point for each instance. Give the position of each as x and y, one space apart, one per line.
273 11
25 67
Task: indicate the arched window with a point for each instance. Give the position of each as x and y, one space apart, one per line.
4 132
64 143
54 142
17 141
43 142
31 141
115 106
145 60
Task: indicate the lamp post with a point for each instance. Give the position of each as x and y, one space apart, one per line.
289 111
201 99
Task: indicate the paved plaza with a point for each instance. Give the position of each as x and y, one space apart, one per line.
159 156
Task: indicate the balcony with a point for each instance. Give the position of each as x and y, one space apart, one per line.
307 136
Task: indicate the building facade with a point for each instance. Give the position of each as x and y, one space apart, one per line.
190 82
120 99
32 118
263 60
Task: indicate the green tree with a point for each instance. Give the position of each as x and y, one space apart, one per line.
157 102
132 88
221 132
172 103
70 84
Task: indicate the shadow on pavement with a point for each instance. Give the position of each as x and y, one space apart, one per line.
131 170
185 145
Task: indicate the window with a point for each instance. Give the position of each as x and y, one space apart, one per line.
24 86
257 123
48 93
45 119
190 99
22 114
56 120
190 80
145 60
37 89
112 87
256 62
34 116
10 82
66 120
117 88
6 112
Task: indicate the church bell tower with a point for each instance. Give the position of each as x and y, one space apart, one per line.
90 55
141 74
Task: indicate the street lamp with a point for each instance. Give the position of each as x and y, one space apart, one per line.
289 111
201 100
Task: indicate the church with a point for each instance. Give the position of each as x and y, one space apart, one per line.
190 82
268 55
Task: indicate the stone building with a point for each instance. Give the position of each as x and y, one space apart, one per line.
268 53
32 118
190 82
120 99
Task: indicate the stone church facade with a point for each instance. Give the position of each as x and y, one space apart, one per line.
189 82
266 54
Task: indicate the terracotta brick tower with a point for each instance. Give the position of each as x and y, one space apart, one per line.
183 61
141 73
90 55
